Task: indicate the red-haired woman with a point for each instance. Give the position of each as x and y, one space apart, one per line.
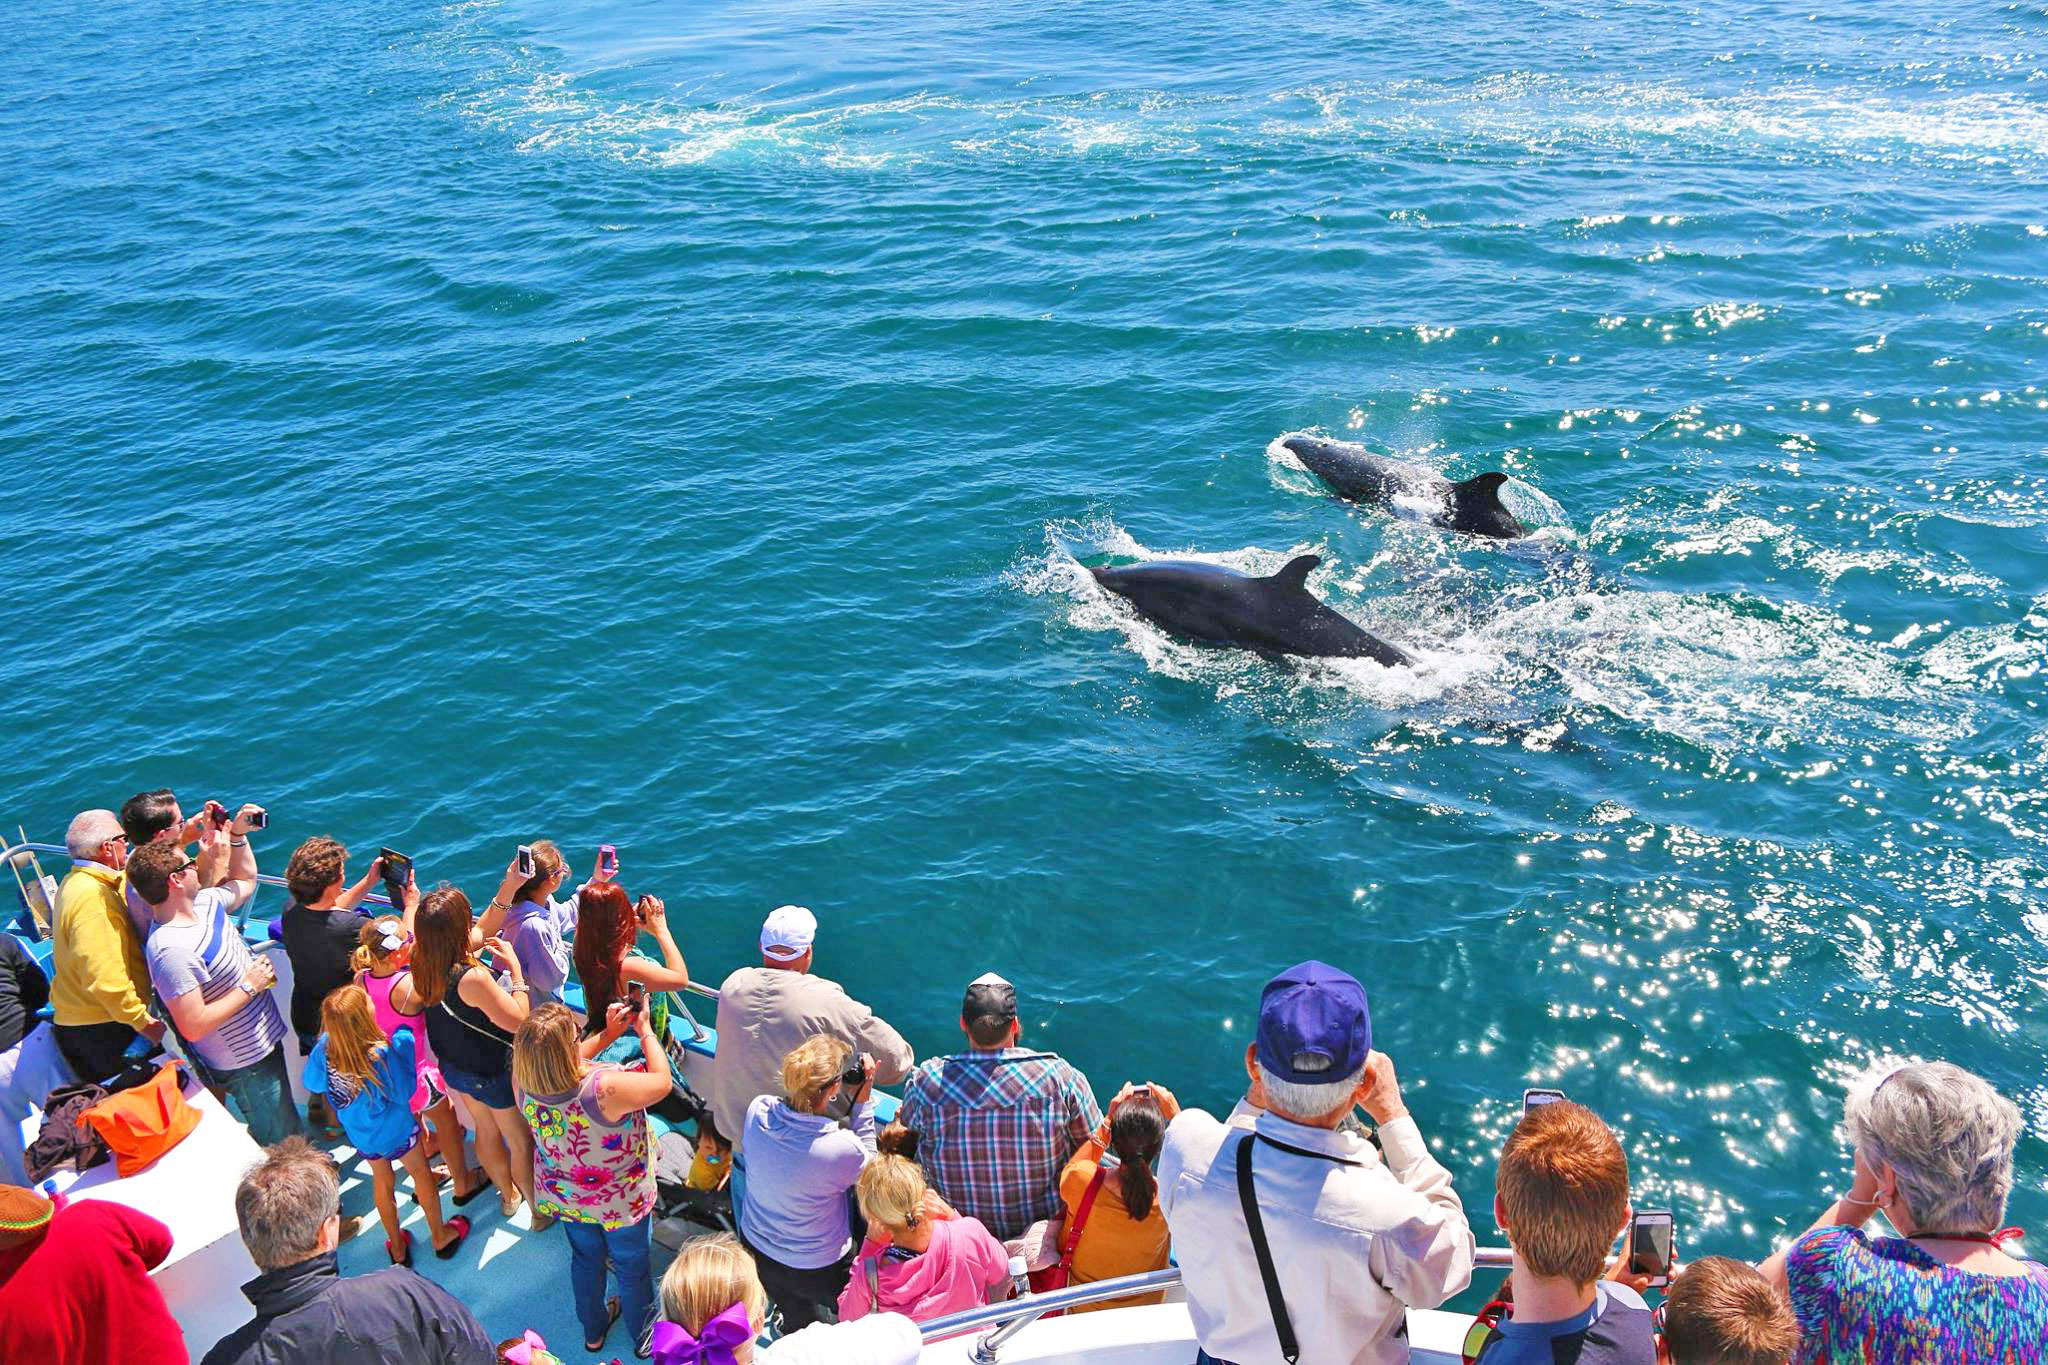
609 925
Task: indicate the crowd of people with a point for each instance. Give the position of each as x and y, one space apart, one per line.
1300 1233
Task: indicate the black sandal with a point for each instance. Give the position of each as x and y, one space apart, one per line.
611 1306
483 1182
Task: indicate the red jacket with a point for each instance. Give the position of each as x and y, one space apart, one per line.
82 1295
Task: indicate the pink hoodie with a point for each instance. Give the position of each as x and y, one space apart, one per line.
954 1273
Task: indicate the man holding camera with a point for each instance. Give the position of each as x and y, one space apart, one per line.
216 991
1296 1239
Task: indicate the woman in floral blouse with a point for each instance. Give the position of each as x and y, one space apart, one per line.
593 1162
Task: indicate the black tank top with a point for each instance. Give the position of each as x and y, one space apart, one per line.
463 1035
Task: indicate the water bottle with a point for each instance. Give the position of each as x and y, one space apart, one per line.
1020 1278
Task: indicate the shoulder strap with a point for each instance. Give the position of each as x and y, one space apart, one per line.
871 1266
1276 1303
448 995
1080 1218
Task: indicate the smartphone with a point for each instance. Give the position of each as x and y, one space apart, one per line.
526 864
1649 1245
608 860
1533 1098
636 996
397 867
258 818
218 814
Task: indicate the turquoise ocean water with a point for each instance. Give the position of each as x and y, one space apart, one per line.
668 424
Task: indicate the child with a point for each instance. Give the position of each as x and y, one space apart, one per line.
712 1167
528 1349
368 1080
383 950
913 1263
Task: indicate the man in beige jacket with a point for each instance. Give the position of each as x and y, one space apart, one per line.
765 1011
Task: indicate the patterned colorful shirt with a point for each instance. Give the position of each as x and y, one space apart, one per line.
999 1127
584 1169
1887 1302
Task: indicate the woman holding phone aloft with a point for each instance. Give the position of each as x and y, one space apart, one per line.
606 963
471 1016
1124 1230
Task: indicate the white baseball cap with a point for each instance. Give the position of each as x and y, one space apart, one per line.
788 932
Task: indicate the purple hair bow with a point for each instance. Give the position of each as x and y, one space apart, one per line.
673 1344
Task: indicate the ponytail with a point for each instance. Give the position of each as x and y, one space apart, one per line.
1136 1135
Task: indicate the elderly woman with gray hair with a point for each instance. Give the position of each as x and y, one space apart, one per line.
1933 1150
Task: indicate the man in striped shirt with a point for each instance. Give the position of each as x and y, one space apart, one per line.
998 1122
216 990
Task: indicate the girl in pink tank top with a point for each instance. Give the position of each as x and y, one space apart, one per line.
382 960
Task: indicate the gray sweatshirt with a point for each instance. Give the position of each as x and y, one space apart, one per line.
764 1012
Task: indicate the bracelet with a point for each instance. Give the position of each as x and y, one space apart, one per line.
1866 1203
497 904
520 986
238 843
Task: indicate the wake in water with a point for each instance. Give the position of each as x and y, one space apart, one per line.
1535 655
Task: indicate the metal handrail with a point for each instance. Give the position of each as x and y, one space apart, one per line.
1013 1315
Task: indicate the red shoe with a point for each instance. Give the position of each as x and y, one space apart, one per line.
460 1226
398 1257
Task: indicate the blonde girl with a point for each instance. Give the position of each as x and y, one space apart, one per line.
368 1081
712 1293
382 957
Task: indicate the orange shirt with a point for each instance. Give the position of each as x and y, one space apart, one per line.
1112 1242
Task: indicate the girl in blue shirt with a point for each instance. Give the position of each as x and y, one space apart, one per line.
368 1080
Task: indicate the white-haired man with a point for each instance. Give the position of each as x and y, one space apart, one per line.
99 988
1296 1239
765 1011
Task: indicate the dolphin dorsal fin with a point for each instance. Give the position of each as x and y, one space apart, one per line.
1485 485
1295 575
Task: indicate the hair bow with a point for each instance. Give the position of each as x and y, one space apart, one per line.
527 1349
673 1344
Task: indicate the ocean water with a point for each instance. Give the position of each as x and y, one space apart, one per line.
676 425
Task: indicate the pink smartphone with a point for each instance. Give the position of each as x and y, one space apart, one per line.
608 859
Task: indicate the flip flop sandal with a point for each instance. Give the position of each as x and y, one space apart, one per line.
391 1249
611 1307
460 1225
478 1183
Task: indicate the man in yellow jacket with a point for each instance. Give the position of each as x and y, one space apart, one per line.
99 986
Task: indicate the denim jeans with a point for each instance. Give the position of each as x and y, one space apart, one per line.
263 1092
630 1249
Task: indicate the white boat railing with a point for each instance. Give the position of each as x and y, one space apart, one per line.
1012 1316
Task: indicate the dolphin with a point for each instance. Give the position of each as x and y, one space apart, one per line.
1218 606
1471 505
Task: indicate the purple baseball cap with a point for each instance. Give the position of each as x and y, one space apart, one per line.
1314 1027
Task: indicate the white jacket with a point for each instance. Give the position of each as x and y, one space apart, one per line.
1355 1246
877 1339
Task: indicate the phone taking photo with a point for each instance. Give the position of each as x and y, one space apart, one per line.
397 867
608 860
1650 1245
1533 1099
526 863
636 996
258 818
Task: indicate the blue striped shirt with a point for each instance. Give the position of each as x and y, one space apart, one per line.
210 956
